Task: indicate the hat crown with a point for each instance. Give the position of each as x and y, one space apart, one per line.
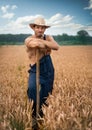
39 21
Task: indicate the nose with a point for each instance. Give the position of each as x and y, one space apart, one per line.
40 29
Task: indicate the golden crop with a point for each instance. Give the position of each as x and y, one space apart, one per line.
70 105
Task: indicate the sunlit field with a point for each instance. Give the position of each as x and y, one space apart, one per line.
70 105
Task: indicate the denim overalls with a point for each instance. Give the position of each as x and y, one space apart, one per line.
46 81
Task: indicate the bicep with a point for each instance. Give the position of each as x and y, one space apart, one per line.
53 44
51 39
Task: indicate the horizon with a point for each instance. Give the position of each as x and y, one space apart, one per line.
44 33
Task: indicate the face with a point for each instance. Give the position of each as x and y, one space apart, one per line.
39 30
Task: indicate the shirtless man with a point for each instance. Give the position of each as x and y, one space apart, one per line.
45 43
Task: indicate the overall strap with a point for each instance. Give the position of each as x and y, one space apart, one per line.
44 37
47 50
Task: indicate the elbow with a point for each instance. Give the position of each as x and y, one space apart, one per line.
57 47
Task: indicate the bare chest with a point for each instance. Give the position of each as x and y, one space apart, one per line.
32 55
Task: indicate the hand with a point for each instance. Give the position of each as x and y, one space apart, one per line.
41 45
36 43
33 44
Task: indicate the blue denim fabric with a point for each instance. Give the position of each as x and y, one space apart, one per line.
46 80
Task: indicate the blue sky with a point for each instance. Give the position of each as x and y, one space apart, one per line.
65 16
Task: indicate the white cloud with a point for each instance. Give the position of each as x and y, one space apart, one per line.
88 28
13 7
58 19
21 23
5 8
73 26
8 15
61 24
90 6
55 17
67 18
65 23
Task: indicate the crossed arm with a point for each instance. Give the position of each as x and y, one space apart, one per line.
40 43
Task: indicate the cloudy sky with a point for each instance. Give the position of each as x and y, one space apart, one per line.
65 16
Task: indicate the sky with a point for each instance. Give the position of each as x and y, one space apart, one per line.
64 16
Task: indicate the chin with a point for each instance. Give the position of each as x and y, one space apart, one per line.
40 35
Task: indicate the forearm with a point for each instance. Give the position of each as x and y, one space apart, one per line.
40 43
50 44
34 43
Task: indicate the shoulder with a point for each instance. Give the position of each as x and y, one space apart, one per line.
28 39
49 38
32 36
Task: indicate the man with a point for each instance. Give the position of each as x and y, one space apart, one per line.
45 43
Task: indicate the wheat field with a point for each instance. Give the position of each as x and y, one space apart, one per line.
70 105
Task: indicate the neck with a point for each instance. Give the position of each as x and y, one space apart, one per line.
41 36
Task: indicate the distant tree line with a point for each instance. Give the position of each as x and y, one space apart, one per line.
82 38
12 39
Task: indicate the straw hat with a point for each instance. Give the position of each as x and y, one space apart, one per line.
38 21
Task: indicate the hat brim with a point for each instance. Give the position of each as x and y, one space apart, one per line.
32 25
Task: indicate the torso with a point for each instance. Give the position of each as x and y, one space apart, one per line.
32 54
